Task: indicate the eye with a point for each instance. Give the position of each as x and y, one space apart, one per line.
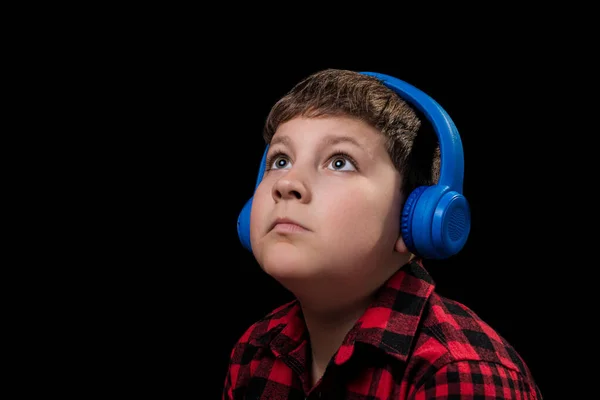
342 162
278 161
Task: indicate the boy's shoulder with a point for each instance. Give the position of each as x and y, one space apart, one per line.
457 334
260 333
465 335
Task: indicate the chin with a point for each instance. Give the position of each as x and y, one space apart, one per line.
285 263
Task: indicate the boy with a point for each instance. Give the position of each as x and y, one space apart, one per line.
337 219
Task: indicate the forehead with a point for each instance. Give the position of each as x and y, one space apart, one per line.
329 130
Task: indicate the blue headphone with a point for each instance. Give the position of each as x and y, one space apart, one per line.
436 219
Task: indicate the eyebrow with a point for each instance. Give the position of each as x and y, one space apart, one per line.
280 139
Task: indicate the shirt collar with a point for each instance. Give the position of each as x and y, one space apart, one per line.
390 322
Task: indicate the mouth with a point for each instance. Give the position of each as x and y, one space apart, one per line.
286 225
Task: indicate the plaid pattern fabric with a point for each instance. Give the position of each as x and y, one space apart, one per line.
410 343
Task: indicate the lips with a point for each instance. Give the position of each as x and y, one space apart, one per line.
288 223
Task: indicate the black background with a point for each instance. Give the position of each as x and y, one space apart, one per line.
177 134
194 288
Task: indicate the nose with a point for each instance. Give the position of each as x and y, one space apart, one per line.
290 187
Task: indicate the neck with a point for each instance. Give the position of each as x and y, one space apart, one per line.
327 330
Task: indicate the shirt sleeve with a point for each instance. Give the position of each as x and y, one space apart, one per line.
227 387
477 380
230 378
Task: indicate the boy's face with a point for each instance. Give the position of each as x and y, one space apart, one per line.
346 208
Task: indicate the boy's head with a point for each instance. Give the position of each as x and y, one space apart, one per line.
340 92
344 152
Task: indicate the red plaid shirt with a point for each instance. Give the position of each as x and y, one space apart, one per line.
411 343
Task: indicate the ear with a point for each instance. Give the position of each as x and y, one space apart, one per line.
400 246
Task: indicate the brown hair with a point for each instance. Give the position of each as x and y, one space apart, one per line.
334 92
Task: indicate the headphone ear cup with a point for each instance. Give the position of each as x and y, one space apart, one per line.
406 223
451 224
440 223
243 225
243 222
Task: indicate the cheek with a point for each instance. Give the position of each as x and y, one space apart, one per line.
370 213
359 211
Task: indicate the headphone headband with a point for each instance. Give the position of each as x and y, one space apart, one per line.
451 150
